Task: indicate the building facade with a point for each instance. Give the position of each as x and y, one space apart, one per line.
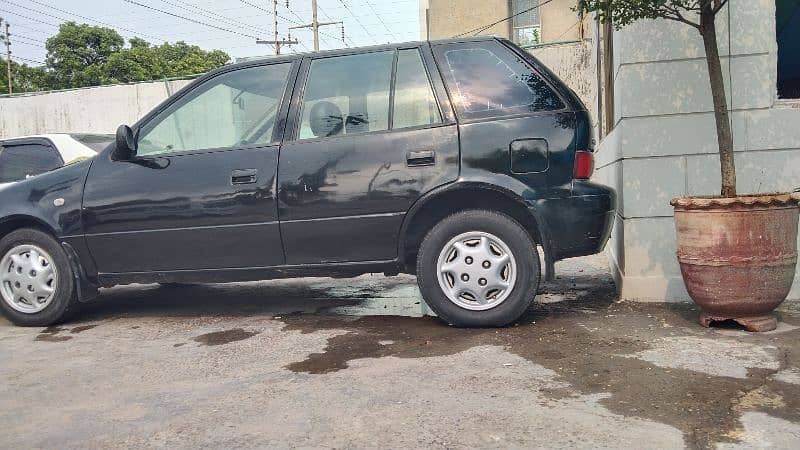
550 30
534 21
659 140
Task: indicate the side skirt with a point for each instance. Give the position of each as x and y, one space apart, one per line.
335 270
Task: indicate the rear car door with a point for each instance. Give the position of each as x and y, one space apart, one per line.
200 193
20 159
370 135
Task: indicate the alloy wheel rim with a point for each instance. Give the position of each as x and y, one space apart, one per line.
28 279
476 270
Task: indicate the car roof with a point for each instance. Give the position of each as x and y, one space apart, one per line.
350 50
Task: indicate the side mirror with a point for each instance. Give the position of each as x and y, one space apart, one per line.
125 144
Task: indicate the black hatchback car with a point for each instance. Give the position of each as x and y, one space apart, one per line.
452 160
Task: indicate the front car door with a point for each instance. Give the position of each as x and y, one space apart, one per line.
200 193
369 138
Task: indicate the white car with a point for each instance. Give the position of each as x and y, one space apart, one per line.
24 157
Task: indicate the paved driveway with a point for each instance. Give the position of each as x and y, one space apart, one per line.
350 363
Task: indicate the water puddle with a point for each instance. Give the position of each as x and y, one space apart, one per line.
224 337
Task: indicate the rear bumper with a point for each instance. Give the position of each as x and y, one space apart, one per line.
578 225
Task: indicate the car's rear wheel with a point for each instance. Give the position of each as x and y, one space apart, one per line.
478 268
36 280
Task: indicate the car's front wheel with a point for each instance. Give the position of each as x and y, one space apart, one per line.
36 280
478 268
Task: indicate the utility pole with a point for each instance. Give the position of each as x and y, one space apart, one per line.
315 24
276 41
7 40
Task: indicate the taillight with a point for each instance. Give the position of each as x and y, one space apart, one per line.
584 165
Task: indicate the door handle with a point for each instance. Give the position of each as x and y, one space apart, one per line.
421 158
244 176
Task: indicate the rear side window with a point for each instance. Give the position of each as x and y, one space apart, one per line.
347 95
414 103
18 162
486 79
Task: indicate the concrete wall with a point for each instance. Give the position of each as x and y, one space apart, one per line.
573 63
559 21
664 143
90 110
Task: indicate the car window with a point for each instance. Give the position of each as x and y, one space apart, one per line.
233 109
347 95
414 103
18 162
486 79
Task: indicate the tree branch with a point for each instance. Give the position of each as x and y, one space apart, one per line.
678 17
720 5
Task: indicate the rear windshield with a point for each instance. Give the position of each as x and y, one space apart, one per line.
96 142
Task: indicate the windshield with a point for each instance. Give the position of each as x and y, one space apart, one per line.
96 142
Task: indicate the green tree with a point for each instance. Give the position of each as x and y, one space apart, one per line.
699 14
77 55
143 62
24 78
81 55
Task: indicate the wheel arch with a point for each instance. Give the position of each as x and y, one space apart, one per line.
451 199
15 222
85 288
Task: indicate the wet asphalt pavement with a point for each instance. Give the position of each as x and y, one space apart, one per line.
325 363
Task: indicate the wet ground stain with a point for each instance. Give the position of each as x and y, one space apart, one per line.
224 337
81 329
586 342
51 334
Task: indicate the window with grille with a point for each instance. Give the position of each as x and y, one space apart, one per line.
526 24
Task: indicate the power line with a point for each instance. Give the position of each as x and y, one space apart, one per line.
381 20
358 21
30 60
29 18
302 20
135 33
190 20
568 30
32 44
484 28
281 17
215 16
30 38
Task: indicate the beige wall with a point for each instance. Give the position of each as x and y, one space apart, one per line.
448 18
559 22
451 17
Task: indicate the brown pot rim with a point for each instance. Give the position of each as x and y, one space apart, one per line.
746 200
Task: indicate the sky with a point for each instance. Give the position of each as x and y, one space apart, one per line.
366 22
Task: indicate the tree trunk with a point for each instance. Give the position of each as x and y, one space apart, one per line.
724 137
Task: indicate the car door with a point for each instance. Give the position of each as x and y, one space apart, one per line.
23 158
200 192
368 139
511 119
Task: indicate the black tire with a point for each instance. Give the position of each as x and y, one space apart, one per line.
513 235
65 300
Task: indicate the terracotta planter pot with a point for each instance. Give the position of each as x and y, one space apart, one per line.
738 255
